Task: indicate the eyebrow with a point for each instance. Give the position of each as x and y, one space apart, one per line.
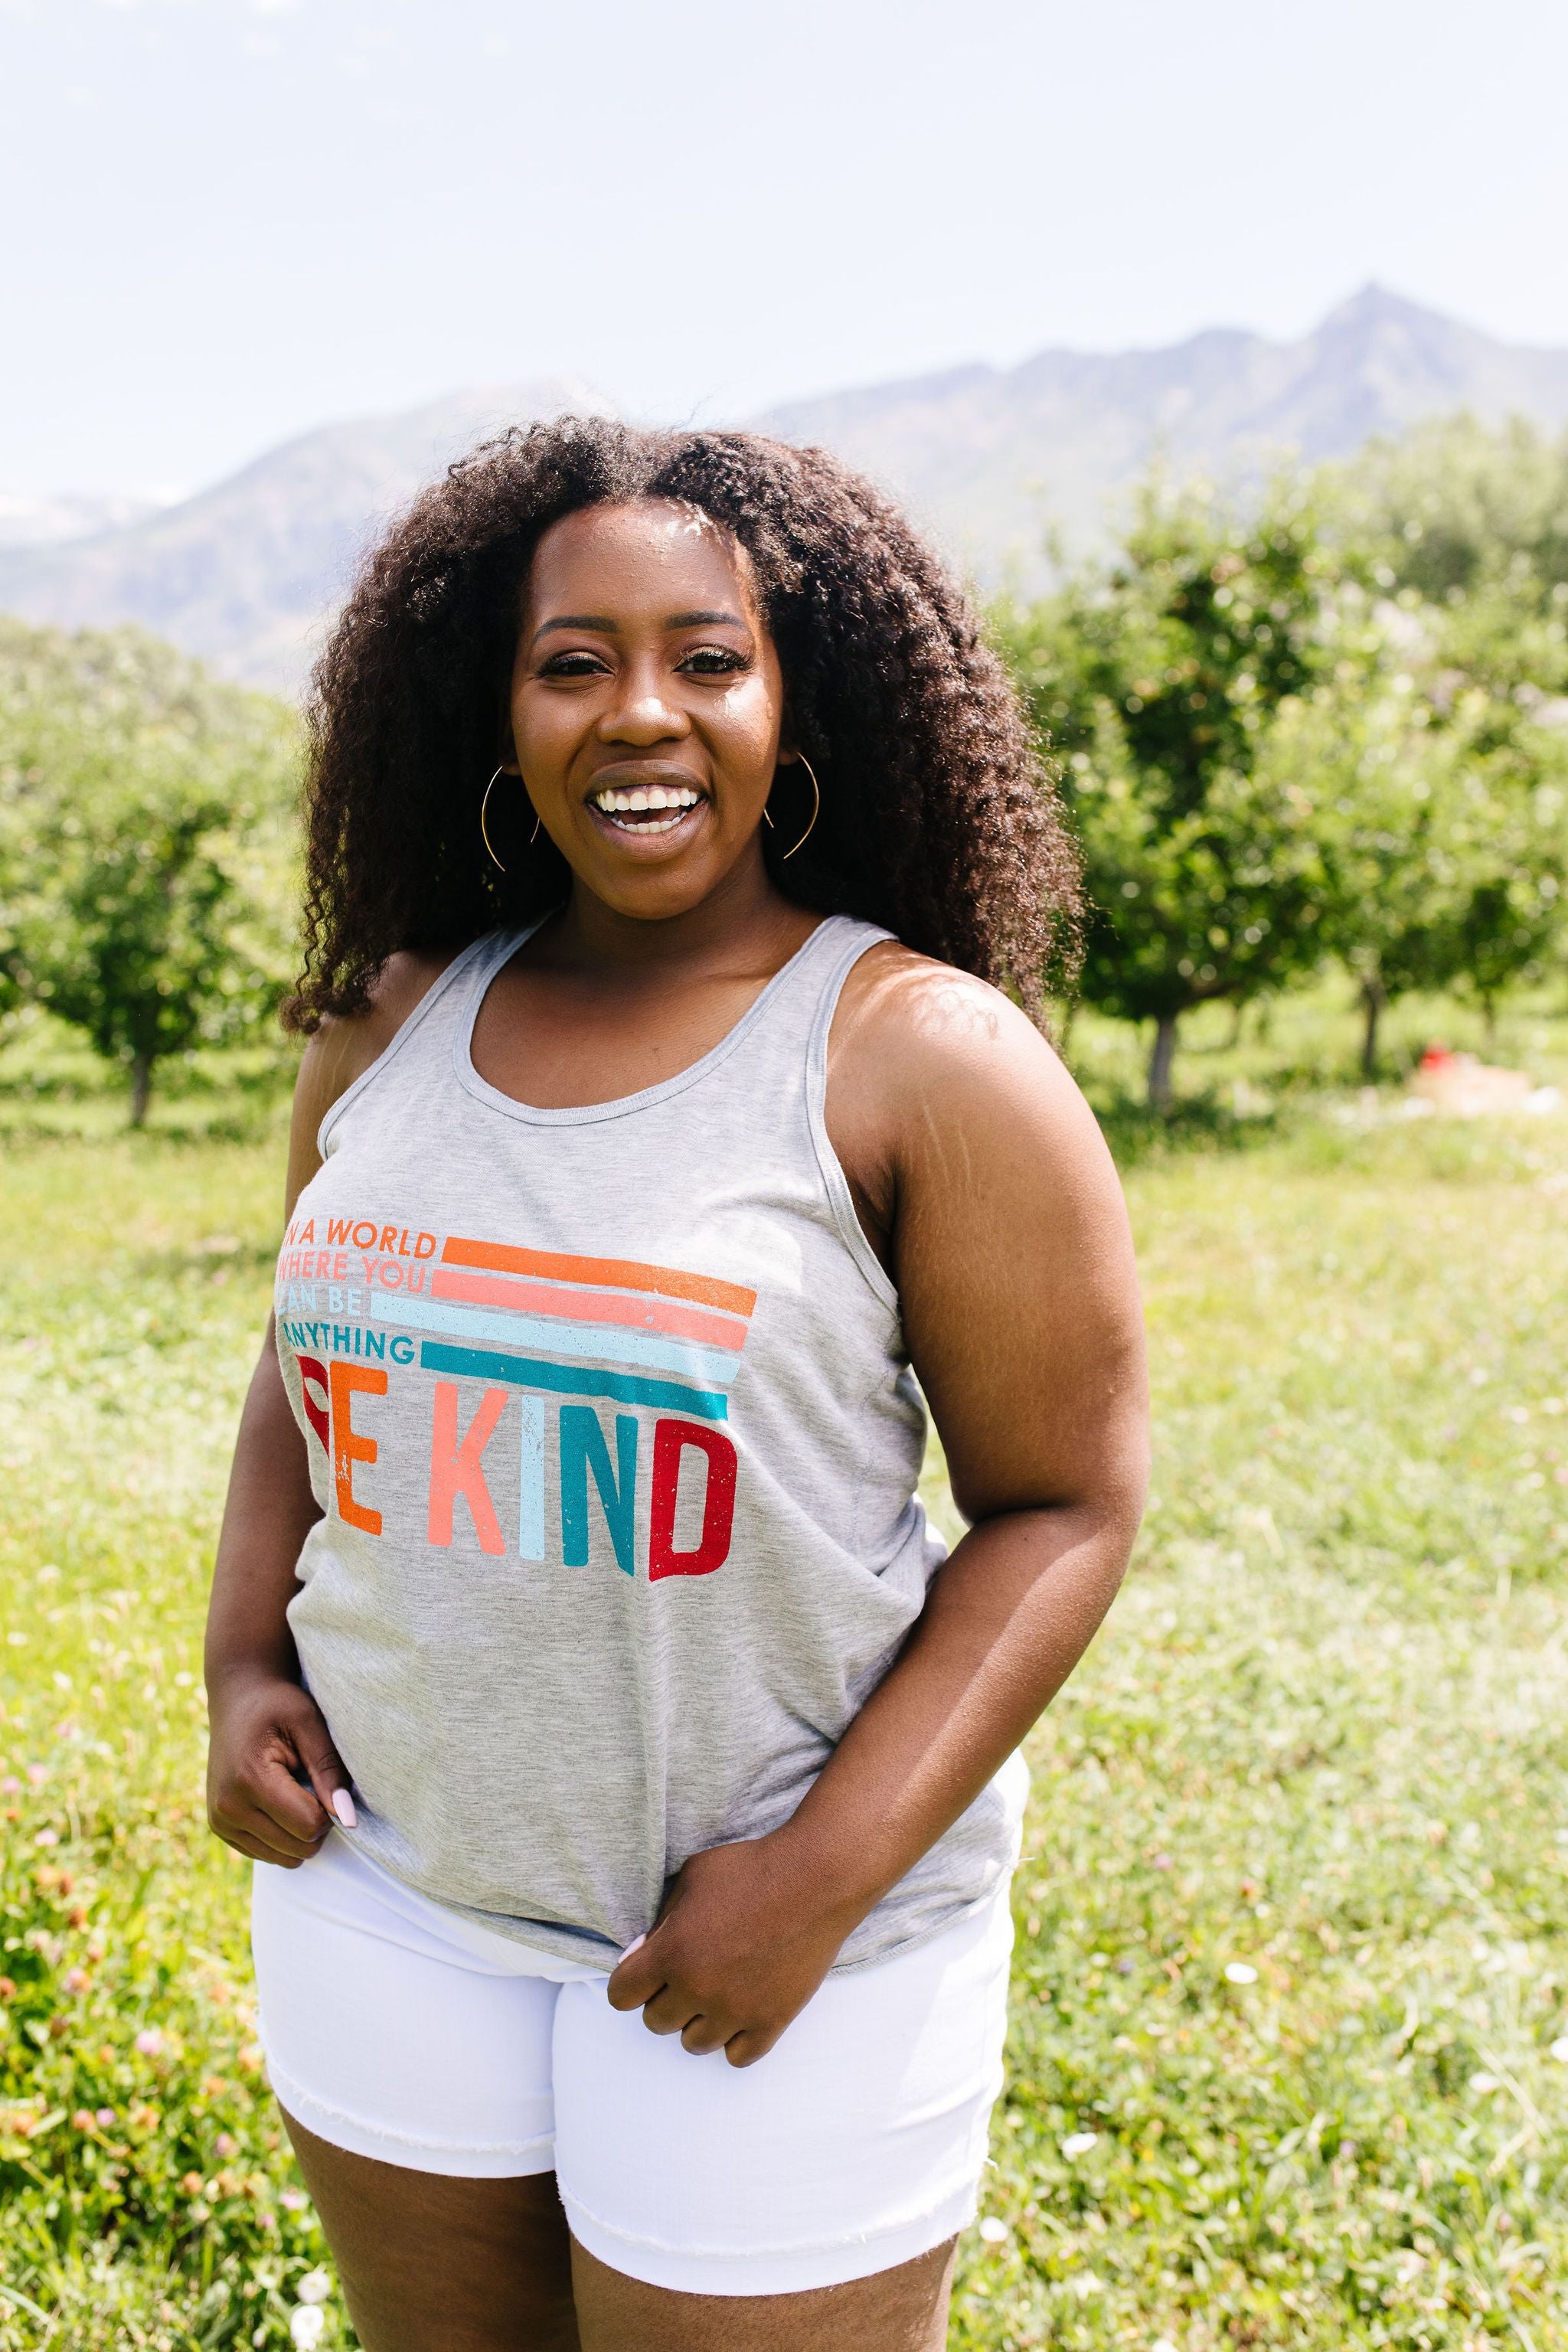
605 626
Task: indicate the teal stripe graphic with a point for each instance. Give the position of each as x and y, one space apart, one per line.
608 1342
568 1379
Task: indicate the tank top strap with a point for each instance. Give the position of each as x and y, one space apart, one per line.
426 1035
788 1023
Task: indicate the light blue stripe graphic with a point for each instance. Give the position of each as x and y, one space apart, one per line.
562 1379
601 1342
531 1480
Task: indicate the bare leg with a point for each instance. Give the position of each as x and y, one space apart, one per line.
902 2310
433 2264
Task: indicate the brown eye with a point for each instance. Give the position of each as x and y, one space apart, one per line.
712 661
574 665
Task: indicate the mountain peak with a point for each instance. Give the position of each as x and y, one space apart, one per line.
245 573
1373 306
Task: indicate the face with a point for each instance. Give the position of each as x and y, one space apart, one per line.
647 704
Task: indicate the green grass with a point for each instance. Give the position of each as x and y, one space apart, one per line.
1324 1738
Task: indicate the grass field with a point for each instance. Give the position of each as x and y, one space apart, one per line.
1290 2056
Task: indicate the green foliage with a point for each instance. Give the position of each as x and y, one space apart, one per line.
146 2192
143 857
1439 821
1332 727
1475 524
1157 683
1322 1740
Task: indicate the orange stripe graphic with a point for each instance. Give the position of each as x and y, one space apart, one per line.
640 1314
621 1274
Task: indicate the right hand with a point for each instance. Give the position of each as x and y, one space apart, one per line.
264 1729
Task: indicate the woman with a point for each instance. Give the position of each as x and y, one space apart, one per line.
580 1662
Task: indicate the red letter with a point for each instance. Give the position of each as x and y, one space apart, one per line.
313 1374
348 1447
456 1469
670 1440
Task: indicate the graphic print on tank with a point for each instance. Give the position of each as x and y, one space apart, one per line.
558 1387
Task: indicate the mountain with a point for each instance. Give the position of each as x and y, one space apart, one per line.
245 572
985 457
45 523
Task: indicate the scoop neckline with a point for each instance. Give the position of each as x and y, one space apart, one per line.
620 1105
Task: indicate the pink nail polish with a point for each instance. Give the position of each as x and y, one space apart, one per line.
344 1806
634 1945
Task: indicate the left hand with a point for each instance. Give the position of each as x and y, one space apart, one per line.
737 1950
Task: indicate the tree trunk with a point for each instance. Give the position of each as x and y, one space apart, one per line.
1489 1020
140 1088
1373 997
1161 1060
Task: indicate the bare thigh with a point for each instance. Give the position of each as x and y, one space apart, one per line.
429 2264
901 2310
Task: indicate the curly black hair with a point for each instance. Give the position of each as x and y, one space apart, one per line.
938 817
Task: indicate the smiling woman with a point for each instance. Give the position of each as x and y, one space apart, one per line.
580 1660
936 818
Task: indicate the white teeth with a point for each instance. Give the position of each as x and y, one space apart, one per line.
638 802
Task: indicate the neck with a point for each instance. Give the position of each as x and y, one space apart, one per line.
746 917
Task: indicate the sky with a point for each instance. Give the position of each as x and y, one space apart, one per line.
228 221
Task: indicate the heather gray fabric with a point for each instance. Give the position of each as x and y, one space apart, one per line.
611 1424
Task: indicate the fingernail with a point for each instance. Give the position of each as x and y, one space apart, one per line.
634 1945
344 1806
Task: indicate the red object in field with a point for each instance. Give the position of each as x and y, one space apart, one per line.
1462 1084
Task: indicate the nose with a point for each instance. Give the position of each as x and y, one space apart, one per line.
642 713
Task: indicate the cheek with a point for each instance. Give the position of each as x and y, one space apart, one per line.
750 725
544 727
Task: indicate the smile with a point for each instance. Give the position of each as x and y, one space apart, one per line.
645 808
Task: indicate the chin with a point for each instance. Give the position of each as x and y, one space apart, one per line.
655 894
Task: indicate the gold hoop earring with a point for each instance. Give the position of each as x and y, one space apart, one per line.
815 808
484 828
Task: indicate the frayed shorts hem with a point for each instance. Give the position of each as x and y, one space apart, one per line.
508 2161
790 2269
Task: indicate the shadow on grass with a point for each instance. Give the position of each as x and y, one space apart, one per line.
1193 1123
103 1120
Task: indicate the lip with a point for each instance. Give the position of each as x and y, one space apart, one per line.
629 775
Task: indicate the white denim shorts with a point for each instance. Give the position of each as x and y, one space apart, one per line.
397 2030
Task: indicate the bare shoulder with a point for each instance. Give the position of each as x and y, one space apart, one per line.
344 1047
919 1044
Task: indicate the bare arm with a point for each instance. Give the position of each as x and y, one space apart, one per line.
265 1727
1006 1233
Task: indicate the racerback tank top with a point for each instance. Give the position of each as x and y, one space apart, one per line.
615 1442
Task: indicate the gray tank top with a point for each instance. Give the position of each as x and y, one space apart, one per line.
615 1441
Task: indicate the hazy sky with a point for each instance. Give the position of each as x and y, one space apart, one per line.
229 220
